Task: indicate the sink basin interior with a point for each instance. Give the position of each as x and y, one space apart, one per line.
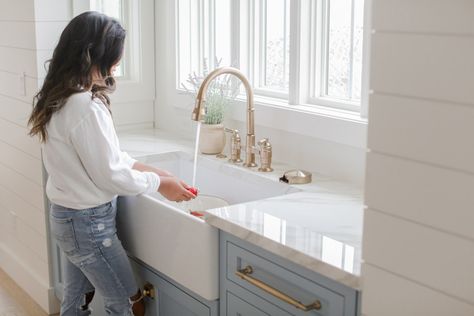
220 178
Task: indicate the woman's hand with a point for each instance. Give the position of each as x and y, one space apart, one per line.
174 189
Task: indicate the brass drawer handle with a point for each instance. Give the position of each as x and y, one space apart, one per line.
245 275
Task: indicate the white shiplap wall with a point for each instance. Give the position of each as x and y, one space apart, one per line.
29 30
27 36
418 231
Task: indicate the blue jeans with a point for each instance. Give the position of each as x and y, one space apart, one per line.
95 259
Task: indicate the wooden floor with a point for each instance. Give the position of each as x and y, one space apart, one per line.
14 301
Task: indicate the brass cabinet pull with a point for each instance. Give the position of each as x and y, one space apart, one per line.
149 290
245 275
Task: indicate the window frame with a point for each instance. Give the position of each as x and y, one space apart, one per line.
138 83
296 115
319 63
313 28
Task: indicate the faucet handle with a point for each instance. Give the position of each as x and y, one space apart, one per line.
265 153
230 130
235 146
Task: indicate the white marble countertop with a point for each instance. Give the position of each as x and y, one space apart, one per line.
319 228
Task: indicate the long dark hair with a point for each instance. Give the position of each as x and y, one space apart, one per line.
90 42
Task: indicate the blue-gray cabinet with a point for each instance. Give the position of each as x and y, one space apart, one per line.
170 298
254 281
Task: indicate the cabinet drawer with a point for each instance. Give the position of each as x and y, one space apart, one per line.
240 302
265 274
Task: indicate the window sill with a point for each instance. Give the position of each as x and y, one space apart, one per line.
334 125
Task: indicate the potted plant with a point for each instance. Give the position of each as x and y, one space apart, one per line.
221 92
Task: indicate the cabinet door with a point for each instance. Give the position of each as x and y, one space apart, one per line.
144 278
169 299
240 302
174 302
239 307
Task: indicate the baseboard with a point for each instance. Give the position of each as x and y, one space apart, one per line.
35 286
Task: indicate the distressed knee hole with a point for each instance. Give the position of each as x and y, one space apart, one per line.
107 242
87 300
100 227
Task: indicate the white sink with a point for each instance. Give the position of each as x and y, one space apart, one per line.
178 244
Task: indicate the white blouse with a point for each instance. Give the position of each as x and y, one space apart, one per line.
83 159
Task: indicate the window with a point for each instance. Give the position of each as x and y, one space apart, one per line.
136 74
271 53
321 39
337 48
115 9
204 28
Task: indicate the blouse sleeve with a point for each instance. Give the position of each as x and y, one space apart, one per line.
129 161
107 166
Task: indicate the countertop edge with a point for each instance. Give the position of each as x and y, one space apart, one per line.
286 252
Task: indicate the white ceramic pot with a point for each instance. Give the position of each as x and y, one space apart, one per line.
212 139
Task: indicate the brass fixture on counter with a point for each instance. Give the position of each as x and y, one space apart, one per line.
265 152
245 273
199 110
235 146
296 177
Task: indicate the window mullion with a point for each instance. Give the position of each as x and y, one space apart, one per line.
211 31
262 42
365 58
252 42
324 36
294 69
351 52
300 51
235 35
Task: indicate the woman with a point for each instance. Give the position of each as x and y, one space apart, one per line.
87 170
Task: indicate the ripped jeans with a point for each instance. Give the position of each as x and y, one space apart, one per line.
96 259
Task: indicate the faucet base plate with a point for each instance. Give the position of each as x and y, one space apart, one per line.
250 164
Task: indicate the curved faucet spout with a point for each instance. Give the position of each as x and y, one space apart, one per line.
199 111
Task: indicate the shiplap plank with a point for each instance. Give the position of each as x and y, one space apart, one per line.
11 85
28 166
435 132
17 60
404 297
17 136
17 10
425 66
14 110
19 34
438 16
32 216
23 187
436 259
31 239
426 194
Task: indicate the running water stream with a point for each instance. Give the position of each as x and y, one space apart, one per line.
196 149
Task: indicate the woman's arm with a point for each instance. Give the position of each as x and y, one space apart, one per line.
139 166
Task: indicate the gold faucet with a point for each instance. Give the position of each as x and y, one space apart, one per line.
199 110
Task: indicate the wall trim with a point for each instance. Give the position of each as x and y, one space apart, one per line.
38 289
